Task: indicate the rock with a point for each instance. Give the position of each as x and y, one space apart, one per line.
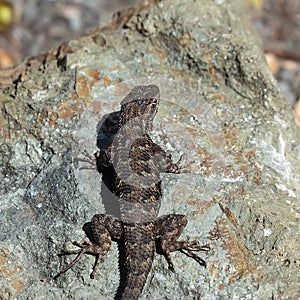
220 108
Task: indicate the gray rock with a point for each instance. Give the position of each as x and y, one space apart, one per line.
220 108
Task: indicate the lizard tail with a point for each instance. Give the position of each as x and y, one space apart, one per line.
139 254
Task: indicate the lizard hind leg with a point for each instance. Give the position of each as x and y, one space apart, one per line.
168 229
104 228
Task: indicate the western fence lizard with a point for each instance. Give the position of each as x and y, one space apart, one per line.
131 168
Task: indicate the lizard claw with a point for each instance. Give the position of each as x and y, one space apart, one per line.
171 268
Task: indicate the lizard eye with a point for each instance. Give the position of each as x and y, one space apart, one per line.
139 101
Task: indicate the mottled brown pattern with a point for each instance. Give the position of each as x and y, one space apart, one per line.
131 168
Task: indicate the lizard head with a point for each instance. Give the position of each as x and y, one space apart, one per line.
142 102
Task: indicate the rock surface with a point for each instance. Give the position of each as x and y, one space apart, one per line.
220 107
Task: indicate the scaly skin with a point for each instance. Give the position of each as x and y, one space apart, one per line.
131 168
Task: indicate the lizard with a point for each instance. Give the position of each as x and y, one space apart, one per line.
131 168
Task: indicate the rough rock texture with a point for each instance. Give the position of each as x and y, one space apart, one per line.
220 107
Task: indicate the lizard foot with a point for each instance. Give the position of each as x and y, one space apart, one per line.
89 159
189 247
85 247
176 168
185 247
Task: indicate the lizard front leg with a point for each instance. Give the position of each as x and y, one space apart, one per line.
168 229
164 161
100 161
104 229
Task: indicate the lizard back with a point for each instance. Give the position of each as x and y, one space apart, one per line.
134 155
137 185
